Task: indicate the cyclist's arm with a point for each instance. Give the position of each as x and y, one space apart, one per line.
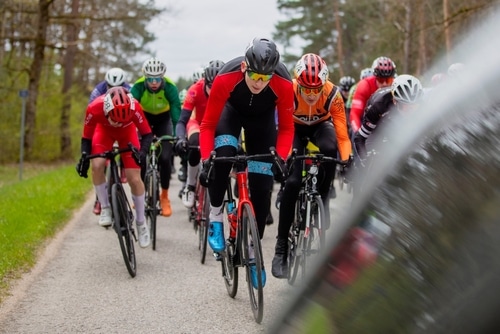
180 129
340 123
172 95
361 95
284 108
370 121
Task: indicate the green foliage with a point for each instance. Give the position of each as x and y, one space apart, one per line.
31 212
47 134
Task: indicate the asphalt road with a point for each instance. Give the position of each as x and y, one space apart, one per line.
80 283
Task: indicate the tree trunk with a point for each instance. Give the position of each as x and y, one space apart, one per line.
446 28
35 74
69 64
340 50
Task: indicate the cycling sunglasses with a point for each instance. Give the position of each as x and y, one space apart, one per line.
257 76
310 91
154 80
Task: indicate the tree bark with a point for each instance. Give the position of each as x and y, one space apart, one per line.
69 64
35 74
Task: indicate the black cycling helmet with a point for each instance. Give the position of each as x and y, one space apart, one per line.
383 67
212 70
262 56
346 83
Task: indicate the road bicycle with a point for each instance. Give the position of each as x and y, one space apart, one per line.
151 184
121 211
198 215
307 236
243 231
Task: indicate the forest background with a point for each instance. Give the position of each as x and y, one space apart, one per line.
55 51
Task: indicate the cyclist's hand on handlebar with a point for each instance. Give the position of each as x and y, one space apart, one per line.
139 156
207 173
281 171
181 146
83 165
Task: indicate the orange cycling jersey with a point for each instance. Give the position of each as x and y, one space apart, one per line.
330 106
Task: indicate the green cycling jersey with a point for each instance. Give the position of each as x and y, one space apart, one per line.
165 100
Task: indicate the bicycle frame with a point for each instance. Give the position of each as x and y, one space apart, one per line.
121 211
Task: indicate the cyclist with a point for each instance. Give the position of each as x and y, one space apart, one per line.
159 98
384 70
364 73
345 85
405 94
116 116
245 94
114 77
188 127
319 116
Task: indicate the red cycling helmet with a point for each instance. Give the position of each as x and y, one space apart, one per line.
383 67
311 71
118 105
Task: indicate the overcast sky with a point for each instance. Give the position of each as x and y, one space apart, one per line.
202 30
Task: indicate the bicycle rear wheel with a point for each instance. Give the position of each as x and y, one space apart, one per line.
251 239
314 235
123 218
204 202
151 185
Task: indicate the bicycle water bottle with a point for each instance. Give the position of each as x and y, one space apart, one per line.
233 220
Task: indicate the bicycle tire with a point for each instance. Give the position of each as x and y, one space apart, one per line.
229 269
151 185
251 237
295 239
123 217
315 239
340 179
203 223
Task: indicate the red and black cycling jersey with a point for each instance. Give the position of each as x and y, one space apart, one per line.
364 90
230 87
378 106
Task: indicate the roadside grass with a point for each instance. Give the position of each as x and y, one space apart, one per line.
32 211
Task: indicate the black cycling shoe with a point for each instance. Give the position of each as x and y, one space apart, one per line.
280 265
269 219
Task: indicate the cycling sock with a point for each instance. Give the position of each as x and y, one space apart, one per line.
192 173
102 194
139 208
215 214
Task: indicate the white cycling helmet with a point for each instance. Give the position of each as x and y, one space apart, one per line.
198 74
115 77
407 89
153 67
455 69
365 73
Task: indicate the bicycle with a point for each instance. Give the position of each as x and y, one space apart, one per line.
121 211
307 237
151 184
198 215
243 232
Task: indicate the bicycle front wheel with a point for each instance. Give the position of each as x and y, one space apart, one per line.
123 219
151 186
204 202
295 244
314 235
253 260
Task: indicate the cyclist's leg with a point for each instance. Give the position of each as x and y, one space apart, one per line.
133 172
286 215
326 141
102 141
226 143
161 125
193 165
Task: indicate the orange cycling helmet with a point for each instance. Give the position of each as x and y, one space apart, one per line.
311 71
118 105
